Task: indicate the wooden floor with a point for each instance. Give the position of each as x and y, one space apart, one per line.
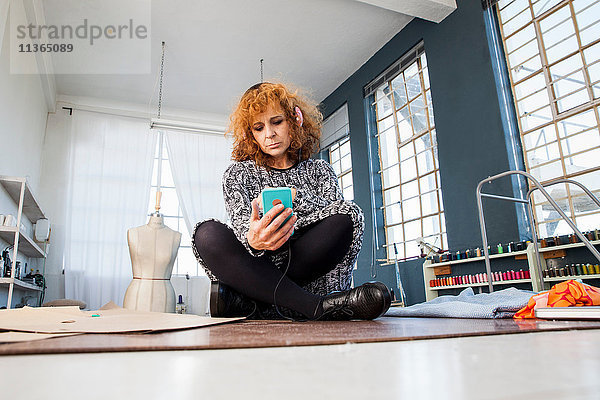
256 334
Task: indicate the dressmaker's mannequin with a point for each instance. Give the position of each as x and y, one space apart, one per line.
153 249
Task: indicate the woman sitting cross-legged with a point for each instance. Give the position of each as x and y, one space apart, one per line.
298 261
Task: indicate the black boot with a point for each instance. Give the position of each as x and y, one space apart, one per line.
227 303
368 301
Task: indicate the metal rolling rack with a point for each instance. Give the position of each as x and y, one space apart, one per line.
527 201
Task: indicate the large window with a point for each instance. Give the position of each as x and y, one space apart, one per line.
553 53
340 158
336 140
162 179
403 113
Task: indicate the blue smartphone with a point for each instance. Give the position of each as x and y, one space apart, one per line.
273 196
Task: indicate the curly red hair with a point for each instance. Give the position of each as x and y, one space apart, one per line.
256 100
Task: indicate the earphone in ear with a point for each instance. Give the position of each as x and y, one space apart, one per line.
299 116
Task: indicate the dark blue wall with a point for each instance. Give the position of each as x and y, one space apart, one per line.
471 140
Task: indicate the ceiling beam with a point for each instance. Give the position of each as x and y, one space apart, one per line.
430 10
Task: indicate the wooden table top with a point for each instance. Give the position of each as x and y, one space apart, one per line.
255 334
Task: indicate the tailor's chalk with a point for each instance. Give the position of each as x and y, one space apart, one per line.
95 315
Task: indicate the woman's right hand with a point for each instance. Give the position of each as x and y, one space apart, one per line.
267 233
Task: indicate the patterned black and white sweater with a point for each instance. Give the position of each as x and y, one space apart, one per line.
317 196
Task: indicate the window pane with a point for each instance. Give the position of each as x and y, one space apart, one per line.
592 54
340 154
345 147
541 6
591 180
547 172
393 214
578 123
347 180
385 125
430 110
186 262
540 137
431 225
334 154
521 38
384 107
166 178
573 100
154 173
410 190
419 119
517 22
395 234
413 81
400 97
389 152
533 102
404 125
348 193
346 163
337 168
169 204
411 208
588 222
580 142
407 151
587 20
536 118
527 68
531 85
391 195
510 8
429 203
412 230
524 53
172 222
408 169
542 154
391 177
582 162
423 143
425 162
428 183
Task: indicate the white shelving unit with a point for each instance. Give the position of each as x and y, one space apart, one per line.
432 292
428 274
481 284
20 192
562 278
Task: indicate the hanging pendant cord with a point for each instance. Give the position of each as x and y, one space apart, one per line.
261 70
162 68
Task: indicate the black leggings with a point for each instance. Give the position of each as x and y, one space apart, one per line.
315 250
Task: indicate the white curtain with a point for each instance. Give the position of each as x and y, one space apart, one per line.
197 162
111 169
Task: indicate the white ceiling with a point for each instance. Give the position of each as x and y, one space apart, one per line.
213 48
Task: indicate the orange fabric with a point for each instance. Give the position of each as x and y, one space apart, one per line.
565 294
